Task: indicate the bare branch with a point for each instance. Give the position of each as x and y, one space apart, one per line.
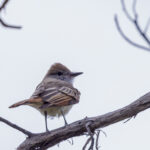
98 131
78 128
125 10
86 143
97 139
130 118
134 9
6 25
126 38
147 26
141 32
46 140
70 141
136 24
29 134
91 135
4 4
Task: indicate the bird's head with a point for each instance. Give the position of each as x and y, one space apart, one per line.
61 72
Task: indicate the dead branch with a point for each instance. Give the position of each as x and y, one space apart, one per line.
97 139
136 24
4 4
126 38
3 23
91 134
86 143
29 134
78 128
147 26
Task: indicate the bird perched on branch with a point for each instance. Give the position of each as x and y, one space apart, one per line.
55 95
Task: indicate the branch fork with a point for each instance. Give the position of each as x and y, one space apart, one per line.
135 22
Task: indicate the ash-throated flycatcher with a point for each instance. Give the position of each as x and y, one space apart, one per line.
55 95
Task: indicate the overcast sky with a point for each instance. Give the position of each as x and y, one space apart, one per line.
81 34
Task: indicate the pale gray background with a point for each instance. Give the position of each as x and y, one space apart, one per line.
80 34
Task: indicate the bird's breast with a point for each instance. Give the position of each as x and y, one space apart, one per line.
54 111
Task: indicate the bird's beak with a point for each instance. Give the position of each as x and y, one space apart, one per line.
74 74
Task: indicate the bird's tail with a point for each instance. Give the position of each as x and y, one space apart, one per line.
26 102
19 103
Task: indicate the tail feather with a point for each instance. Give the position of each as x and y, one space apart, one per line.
19 103
27 101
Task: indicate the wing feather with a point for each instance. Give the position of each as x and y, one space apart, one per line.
39 90
64 96
54 94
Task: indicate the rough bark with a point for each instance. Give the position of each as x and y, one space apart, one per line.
78 128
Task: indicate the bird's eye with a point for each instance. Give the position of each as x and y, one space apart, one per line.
59 73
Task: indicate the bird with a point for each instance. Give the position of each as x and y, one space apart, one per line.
55 95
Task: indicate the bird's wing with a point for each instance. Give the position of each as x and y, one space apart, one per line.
61 96
38 91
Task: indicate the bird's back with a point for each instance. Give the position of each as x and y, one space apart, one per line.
55 94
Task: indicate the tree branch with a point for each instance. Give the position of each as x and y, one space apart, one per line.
29 134
134 9
147 26
78 128
125 10
4 4
126 38
6 25
135 22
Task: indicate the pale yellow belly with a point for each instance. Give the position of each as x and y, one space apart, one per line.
53 111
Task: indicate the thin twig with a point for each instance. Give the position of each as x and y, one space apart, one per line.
104 133
130 118
126 38
125 10
136 24
29 134
91 135
2 22
4 4
127 120
134 9
147 26
86 143
97 139
141 32
70 141
9 26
